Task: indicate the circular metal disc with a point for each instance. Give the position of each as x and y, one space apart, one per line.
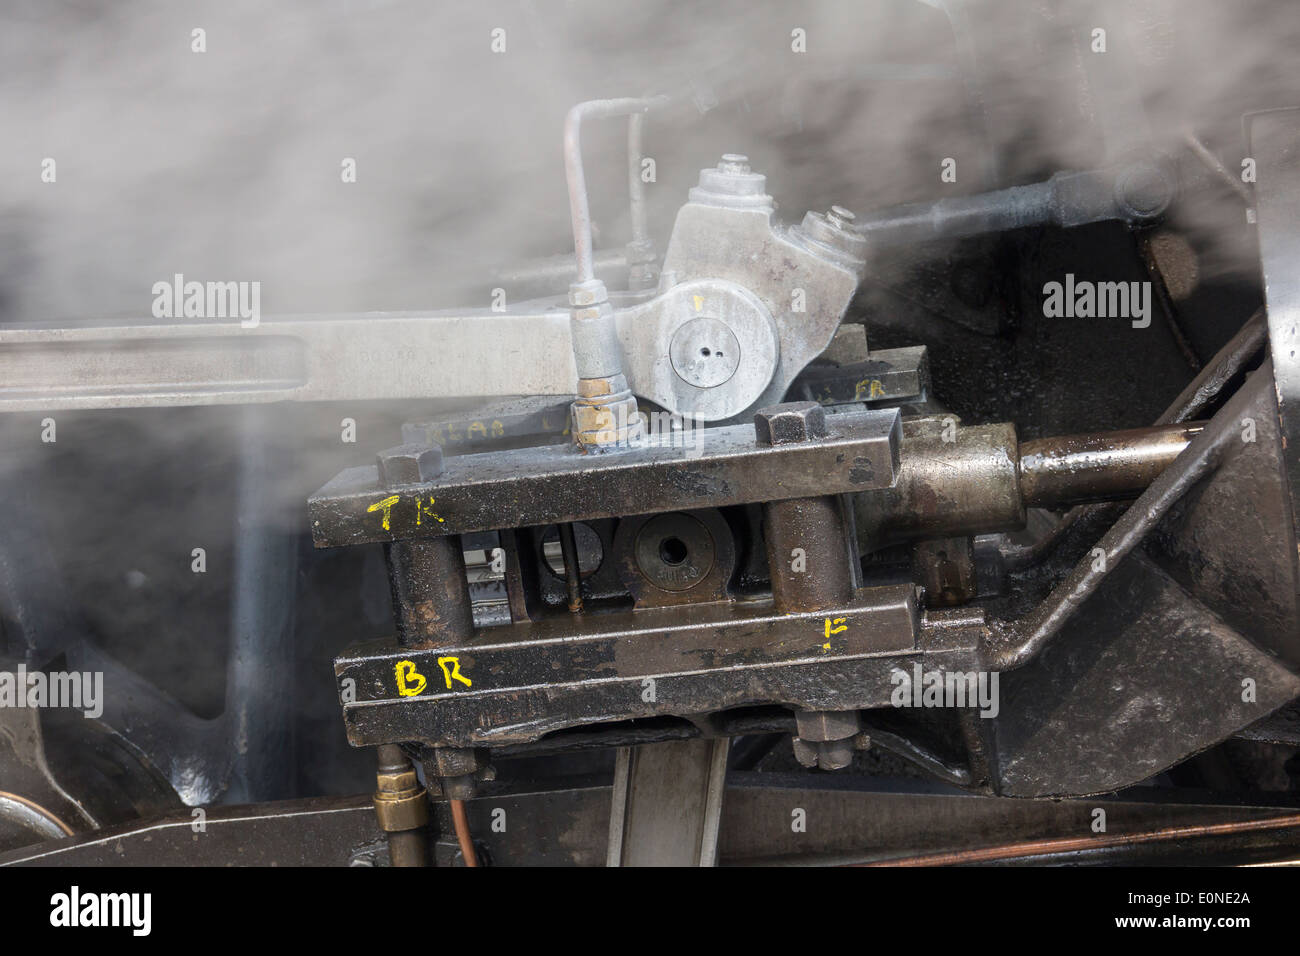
705 352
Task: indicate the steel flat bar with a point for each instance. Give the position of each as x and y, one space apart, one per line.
295 358
553 484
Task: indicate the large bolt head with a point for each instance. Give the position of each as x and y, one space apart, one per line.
410 463
824 725
790 423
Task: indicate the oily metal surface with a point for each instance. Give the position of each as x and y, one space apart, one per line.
515 683
1275 139
1100 465
324 831
566 823
675 558
553 484
952 480
1228 540
1140 678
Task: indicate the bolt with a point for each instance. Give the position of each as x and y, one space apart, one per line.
815 524
826 725
827 739
410 463
841 218
734 163
790 423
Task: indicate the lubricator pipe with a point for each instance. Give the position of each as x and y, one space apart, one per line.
579 210
1136 194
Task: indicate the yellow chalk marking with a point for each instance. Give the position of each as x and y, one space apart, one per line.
422 508
387 506
869 388
840 626
405 671
453 673
699 302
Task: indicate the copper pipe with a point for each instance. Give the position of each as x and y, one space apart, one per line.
1031 848
460 821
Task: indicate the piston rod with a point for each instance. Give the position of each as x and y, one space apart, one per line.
1101 466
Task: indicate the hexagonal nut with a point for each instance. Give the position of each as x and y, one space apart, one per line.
835 232
397 781
455 761
409 463
835 754
396 812
790 423
588 293
604 422
822 725
805 752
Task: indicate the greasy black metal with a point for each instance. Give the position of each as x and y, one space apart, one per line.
657 576
805 538
1222 370
523 589
1200 393
1275 143
952 480
519 682
324 831
430 589
806 554
887 375
1160 292
572 569
1144 676
1014 643
566 823
1100 466
554 483
945 569
594 541
431 602
203 759
76 770
1280 727
505 424
408 846
1232 549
